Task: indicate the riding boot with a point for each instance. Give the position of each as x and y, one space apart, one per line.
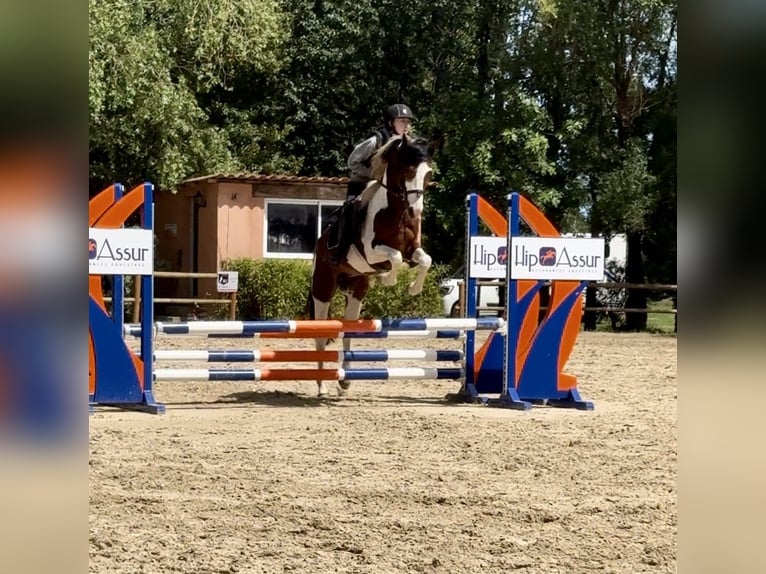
343 246
334 255
338 251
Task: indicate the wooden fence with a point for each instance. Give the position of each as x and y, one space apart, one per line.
591 285
230 300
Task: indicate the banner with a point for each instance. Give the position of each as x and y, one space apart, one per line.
557 258
547 258
120 251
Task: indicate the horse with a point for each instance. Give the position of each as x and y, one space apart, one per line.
385 225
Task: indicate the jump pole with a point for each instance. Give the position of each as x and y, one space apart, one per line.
304 355
311 329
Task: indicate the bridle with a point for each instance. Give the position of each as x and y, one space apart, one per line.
401 191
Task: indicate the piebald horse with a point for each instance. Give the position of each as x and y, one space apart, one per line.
385 227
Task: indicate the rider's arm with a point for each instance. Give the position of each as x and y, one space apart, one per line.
358 158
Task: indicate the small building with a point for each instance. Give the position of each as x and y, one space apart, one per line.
213 218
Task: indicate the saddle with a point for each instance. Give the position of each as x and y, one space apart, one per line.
346 222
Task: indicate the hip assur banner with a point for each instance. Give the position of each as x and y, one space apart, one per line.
546 258
557 258
120 251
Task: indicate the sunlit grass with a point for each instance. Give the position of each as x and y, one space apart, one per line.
661 322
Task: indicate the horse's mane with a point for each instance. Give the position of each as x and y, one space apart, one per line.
378 164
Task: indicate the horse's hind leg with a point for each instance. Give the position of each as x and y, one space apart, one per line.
423 261
321 310
353 310
355 293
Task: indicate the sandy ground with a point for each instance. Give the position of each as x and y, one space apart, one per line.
264 477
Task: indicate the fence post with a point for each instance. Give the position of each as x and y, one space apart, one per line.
233 306
136 298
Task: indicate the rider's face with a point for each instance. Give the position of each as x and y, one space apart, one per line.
402 125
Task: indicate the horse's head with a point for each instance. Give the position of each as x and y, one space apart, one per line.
403 166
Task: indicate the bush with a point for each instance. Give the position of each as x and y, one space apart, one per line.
279 289
388 302
271 288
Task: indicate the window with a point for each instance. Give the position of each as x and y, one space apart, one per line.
293 227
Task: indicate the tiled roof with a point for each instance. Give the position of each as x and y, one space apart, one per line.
259 177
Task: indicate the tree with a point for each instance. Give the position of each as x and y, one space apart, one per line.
608 55
151 63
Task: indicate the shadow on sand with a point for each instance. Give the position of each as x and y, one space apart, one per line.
282 399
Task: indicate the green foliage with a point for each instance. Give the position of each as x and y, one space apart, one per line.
391 302
279 289
330 90
570 103
151 63
271 288
626 191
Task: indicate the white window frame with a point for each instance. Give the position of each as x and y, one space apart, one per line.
319 203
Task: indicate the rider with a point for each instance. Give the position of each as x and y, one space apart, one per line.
398 120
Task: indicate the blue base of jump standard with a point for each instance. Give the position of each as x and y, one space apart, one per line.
119 383
123 381
521 380
538 380
501 355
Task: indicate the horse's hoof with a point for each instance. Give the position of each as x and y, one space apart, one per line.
413 289
344 385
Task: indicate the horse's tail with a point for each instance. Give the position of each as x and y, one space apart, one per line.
310 310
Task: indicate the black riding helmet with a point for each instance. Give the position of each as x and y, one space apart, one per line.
398 111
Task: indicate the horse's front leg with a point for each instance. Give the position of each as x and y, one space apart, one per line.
423 261
321 311
353 310
394 256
